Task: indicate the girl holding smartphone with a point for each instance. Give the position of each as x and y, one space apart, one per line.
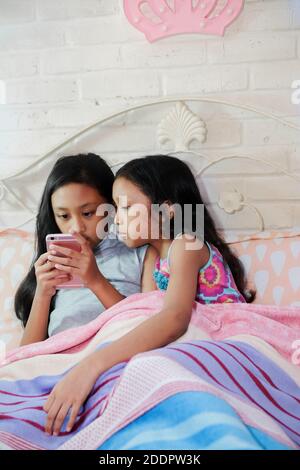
110 271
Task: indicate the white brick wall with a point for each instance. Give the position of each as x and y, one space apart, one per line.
65 63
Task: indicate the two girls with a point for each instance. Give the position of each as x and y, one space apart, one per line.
210 274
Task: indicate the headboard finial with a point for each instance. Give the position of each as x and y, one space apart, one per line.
180 127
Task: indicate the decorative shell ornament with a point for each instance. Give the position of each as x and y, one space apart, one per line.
181 127
162 18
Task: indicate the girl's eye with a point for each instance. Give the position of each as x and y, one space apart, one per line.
87 214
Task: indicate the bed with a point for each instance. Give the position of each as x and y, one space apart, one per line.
233 380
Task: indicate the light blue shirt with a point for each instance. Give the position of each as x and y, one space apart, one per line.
120 265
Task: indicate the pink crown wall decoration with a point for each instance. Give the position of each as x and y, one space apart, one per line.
162 18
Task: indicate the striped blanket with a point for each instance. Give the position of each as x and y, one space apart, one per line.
231 382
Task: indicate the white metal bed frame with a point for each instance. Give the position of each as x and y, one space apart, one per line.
180 127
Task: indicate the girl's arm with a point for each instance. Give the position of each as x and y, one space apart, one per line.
105 291
47 278
167 325
109 296
163 328
37 325
148 283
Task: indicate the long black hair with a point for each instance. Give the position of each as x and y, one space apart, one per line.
164 178
89 169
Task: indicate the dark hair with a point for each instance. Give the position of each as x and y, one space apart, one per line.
164 178
89 169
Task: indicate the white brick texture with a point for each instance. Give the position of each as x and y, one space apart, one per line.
65 63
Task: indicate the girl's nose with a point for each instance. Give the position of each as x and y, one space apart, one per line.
116 218
78 226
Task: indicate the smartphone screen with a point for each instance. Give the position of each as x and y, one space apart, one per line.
68 241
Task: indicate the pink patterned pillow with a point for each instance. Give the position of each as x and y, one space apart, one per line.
271 260
16 251
272 263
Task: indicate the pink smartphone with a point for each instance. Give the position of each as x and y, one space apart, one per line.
68 241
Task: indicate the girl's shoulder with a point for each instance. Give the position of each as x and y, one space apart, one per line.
114 257
111 245
186 248
123 250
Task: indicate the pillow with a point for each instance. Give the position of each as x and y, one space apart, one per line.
271 260
16 251
272 264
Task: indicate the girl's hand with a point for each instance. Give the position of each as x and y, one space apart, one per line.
68 394
47 277
82 264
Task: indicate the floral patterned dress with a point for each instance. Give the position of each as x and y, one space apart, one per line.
215 280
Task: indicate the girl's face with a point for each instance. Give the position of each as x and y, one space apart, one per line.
133 216
74 206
